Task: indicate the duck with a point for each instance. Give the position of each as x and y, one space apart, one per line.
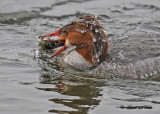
86 39
84 46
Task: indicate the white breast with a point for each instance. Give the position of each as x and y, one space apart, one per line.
76 60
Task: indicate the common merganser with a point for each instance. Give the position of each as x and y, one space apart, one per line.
86 34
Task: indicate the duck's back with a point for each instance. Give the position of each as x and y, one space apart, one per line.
132 56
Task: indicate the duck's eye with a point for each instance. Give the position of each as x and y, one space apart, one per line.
64 32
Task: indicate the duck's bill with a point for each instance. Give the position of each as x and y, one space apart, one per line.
56 33
54 40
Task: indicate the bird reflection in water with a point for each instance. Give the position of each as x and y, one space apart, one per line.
85 92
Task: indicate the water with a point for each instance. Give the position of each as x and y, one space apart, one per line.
33 83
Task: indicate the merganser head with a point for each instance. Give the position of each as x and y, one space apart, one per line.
87 36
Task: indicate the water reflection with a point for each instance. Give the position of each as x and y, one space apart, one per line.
84 92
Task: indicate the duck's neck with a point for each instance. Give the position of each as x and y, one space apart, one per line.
80 58
86 52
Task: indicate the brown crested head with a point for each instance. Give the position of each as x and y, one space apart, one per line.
88 36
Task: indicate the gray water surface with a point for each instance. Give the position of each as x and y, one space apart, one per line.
32 83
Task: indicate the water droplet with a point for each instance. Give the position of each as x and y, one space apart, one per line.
154 72
96 30
97 55
81 31
104 40
146 75
37 53
91 27
94 40
151 74
98 60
